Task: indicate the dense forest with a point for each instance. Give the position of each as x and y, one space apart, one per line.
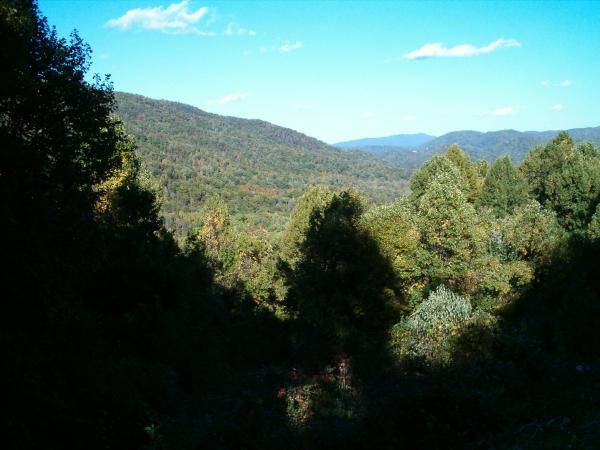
258 169
462 315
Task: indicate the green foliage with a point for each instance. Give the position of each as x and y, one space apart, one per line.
312 202
503 189
450 231
437 165
259 169
339 293
242 259
594 226
533 233
483 167
428 334
574 190
395 230
567 179
543 161
114 337
467 169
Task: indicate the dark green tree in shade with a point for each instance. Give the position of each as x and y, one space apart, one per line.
338 295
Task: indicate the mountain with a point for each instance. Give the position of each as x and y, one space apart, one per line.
258 168
493 144
399 140
478 145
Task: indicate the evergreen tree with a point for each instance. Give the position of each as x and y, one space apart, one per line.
543 161
503 189
450 231
436 166
574 191
467 170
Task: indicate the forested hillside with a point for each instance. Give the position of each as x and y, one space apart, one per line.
488 146
259 169
461 316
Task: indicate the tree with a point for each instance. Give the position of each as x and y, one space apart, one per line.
543 161
594 226
533 233
467 170
450 231
436 166
83 246
394 228
312 202
427 333
565 178
339 294
503 189
574 191
59 137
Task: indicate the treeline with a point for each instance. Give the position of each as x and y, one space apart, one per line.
461 316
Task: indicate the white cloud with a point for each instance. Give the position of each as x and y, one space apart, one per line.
234 29
564 83
408 118
235 97
557 107
437 50
177 18
367 114
506 111
287 46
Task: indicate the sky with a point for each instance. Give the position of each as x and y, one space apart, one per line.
346 70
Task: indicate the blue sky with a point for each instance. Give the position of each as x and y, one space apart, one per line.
345 70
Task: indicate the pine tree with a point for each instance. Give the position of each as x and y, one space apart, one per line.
503 189
467 170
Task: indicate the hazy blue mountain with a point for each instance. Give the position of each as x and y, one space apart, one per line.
399 140
478 145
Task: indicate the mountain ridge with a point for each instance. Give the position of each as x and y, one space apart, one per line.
397 140
258 168
488 145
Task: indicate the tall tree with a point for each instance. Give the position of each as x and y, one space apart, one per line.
545 160
338 294
436 166
467 169
450 231
503 189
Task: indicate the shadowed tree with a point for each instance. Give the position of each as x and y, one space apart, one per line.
339 294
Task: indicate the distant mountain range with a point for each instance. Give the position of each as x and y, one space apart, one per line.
478 145
399 140
258 168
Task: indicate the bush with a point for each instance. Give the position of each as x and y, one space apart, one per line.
427 333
